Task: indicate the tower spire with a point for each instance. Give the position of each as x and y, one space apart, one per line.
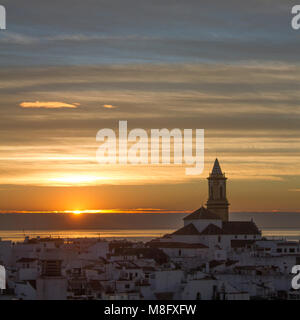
216 168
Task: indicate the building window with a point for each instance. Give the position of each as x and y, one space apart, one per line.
179 253
279 250
219 238
221 192
292 250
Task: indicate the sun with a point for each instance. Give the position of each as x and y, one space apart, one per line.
77 212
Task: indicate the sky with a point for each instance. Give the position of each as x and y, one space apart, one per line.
70 68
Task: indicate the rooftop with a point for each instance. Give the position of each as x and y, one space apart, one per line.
240 227
190 229
202 213
212 229
177 245
26 260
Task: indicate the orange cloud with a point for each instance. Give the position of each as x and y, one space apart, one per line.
109 106
48 105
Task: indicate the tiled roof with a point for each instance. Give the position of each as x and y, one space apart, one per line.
289 244
228 228
26 260
202 213
148 268
215 263
231 262
240 227
127 264
179 245
212 229
190 229
246 268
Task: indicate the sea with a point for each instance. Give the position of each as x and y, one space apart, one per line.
128 234
134 235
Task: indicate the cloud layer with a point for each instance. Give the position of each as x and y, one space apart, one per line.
109 106
90 32
47 105
250 114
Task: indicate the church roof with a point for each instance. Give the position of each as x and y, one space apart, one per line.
212 229
202 213
216 169
232 228
190 229
240 227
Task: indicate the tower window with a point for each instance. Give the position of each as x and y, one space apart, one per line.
221 192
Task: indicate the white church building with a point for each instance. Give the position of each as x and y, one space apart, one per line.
207 232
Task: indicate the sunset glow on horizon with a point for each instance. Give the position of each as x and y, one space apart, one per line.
77 212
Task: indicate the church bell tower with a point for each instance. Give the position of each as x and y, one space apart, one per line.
217 200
